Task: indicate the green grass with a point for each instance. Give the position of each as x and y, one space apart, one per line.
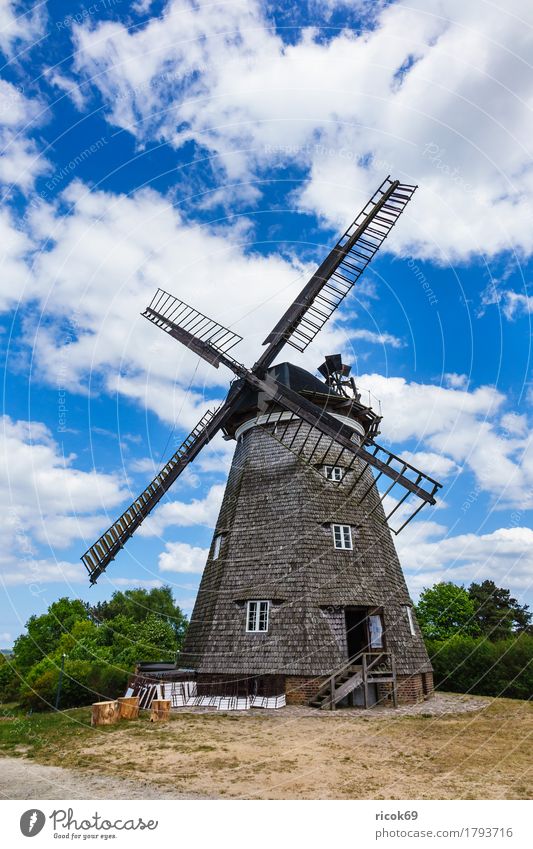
49 735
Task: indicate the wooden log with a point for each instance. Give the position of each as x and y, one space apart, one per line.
105 713
128 707
160 710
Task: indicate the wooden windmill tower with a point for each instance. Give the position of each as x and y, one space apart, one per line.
303 592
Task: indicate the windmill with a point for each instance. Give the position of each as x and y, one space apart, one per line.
303 591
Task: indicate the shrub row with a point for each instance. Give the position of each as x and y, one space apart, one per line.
476 665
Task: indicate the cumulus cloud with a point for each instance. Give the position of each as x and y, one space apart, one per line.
44 497
505 556
19 28
430 92
198 511
21 161
462 428
181 557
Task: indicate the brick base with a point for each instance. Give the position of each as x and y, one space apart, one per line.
412 689
299 689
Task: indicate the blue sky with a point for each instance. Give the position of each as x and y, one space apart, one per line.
217 150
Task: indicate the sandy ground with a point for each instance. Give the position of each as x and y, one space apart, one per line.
24 779
451 747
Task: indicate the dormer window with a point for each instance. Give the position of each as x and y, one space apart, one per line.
217 545
257 616
334 473
342 536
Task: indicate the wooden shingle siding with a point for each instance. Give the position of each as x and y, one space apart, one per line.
277 514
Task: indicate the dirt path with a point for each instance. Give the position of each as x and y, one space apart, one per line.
451 747
23 779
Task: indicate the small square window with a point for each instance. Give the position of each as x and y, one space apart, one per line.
334 473
257 616
411 621
342 536
219 539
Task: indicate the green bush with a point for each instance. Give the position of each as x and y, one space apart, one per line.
9 680
83 682
475 665
101 645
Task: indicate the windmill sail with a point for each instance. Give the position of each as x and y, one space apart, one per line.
105 549
336 276
201 334
300 324
318 450
336 435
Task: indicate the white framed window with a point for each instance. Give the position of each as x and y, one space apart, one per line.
257 616
342 536
411 621
219 539
334 473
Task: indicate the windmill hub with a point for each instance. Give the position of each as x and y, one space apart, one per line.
302 596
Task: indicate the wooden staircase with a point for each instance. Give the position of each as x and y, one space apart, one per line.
367 667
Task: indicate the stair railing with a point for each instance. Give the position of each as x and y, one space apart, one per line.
369 660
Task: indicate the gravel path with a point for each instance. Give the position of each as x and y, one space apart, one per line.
25 779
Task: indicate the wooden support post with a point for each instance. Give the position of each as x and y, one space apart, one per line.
160 710
365 681
332 688
394 690
128 707
104 713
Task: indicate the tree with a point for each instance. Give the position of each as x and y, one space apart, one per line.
138 604
496 613
101 643
45 631
444 610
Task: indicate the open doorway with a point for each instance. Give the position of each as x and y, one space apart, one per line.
356 630
364 630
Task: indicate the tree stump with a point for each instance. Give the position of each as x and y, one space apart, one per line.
128 707
160 710
105 713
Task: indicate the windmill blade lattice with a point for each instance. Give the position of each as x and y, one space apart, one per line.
105 549
318 448
336 276
315 427
206 337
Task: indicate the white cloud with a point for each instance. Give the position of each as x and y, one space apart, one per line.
516 303
514 424
35 573
181 557
462 428
455 381
44 498
434 465
16 247
504 556
105 257
135 582
20 160
198 511
376 338
68 86
437 92
18 28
